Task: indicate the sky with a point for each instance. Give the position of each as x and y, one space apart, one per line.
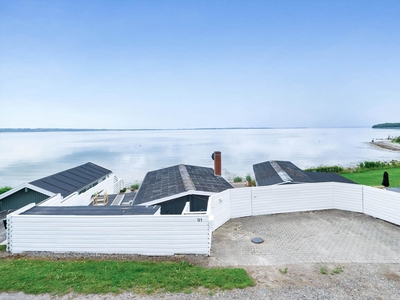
128 64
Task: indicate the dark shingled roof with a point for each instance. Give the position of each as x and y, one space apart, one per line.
170 181
327 177
91 210
267 174
72 180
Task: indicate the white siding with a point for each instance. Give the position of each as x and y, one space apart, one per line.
348 196
291 198
146 235
382 204
219 209
241 202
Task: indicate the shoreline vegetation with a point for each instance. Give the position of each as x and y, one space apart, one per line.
360 167
367 173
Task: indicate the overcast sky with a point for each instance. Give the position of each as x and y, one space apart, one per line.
189 64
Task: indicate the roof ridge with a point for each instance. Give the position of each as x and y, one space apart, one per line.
187 181
282 174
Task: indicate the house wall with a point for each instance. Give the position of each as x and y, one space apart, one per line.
176 206
198 203
21 198
146 235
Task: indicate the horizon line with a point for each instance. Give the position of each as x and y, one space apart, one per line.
43 129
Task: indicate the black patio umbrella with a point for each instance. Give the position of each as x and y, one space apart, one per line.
385 181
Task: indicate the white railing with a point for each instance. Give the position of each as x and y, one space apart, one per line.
84 199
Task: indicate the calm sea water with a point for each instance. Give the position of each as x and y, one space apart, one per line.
131 154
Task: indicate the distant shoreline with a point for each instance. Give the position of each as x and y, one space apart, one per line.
386 144
155 129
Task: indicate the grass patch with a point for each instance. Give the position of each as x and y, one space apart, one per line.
284 271
33 276
3 247
337 270
374 177
323 271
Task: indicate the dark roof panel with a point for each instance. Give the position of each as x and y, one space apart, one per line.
159 184
72 180
266 174
91 210
294 172
168 182
205 180
327 177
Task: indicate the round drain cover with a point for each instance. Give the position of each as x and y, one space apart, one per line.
257 240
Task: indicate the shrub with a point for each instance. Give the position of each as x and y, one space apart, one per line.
327 169
237 179
5 189
123 190
396 140
135 186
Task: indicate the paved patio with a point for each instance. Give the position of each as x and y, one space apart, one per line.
331 236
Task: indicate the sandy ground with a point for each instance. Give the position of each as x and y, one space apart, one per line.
386 144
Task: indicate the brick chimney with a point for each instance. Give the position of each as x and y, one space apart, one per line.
217 163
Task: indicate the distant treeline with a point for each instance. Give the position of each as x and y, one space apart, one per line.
387 125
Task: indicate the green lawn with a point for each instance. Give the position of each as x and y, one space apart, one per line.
374 178
33 276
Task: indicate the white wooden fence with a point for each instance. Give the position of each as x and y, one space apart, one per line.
266 200
147 235
187 233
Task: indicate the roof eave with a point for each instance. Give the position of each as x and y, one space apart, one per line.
183 194
29 186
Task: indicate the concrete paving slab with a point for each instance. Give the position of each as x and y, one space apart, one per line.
330 236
